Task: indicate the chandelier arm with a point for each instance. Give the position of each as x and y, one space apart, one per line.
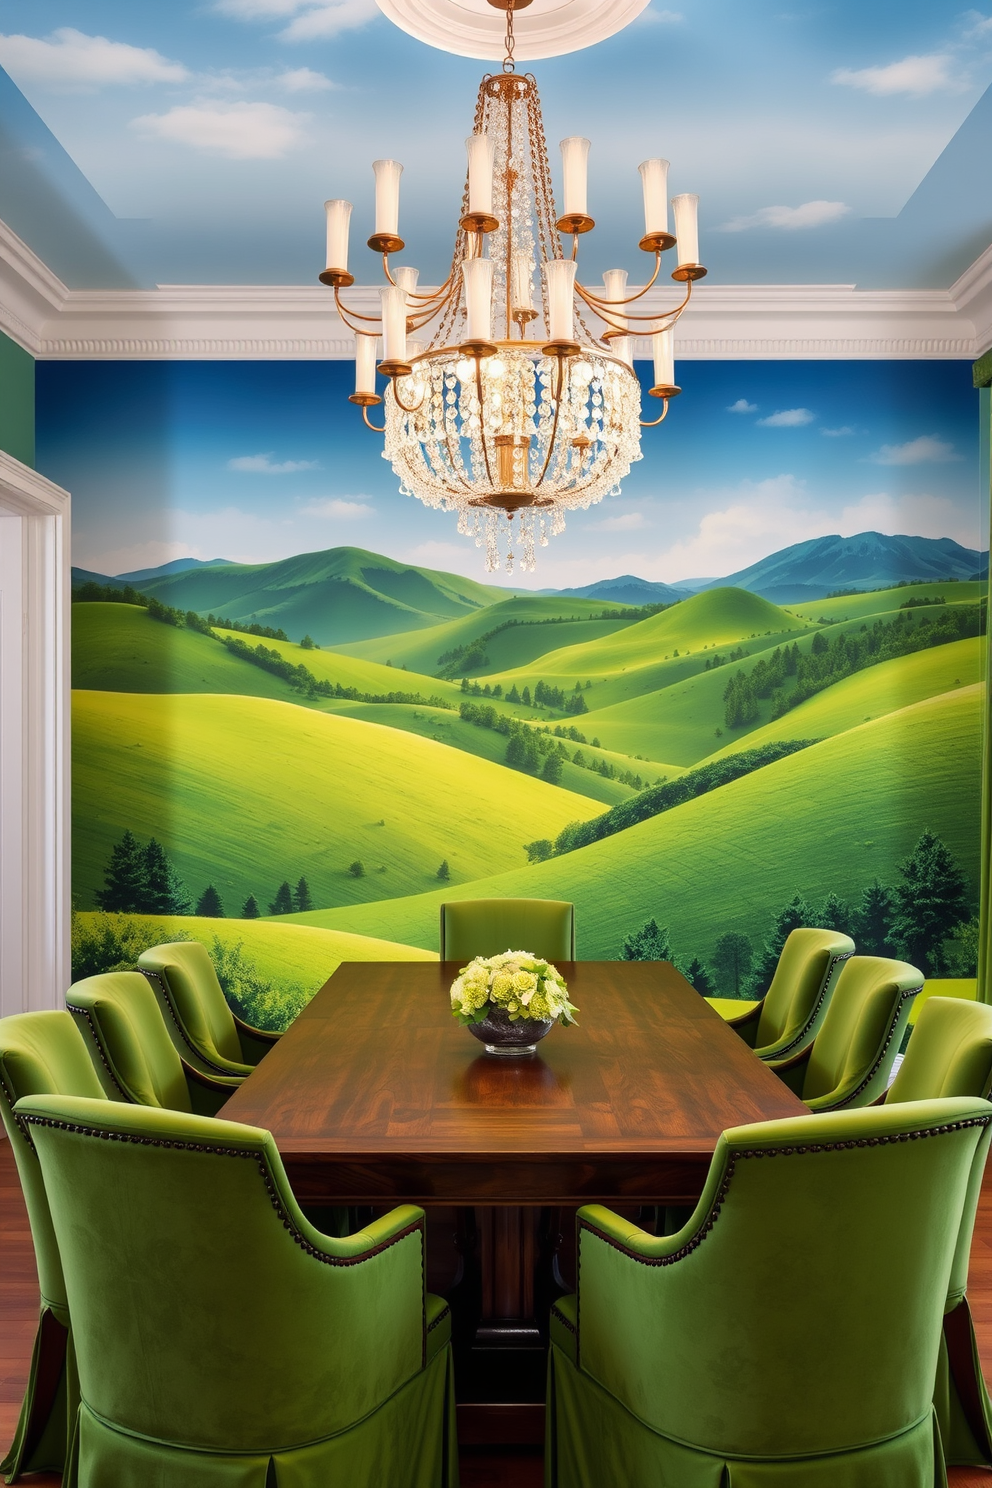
370 425
400 402
554 427
589 296
345 313
482 418
415 294
653 423
671 316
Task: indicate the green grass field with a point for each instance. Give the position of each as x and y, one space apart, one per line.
884 601
830 818
542 628
246 792
352 671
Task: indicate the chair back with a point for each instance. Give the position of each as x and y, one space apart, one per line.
820 1243
197 1002
129 1043
41 1054
800 991
487 927
207 1312
859 1037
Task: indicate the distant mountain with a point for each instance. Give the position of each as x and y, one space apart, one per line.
625 590
178 565
870 560
340 595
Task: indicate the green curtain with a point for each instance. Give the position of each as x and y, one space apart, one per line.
983 381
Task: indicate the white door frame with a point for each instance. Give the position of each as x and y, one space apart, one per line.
34 740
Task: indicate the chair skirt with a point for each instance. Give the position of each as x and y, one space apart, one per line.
960 1398
44 1427
592 1440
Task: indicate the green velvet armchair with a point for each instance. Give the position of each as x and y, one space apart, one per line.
851 1057
786 1020
486 927
205 1030
132 1052
43 1054
819 1371
950 1054
338 1369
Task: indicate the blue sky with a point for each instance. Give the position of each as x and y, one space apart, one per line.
227 122
254 461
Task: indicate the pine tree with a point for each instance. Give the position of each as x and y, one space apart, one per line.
794 916
307 643
444 872
733 957
125 877
931 902
833 914
165 892
525 697
873 917
283 902
250 909
649 943
698 976
552 768
532 755
513 696
302 901
516 751
209 904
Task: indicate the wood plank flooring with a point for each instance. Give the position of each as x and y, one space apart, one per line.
506 1469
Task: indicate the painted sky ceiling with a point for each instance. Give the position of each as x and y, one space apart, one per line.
171 142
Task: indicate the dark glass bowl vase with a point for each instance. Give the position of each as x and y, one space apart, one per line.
501 1036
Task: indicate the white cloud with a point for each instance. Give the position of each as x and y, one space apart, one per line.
629 522
258 10
305 80
661 17
927 450
237 131
916 76
265 465
435 553
133 556
337 510
788 418
791 219
330 20
742 406
759 518
916 516
69 59
841 433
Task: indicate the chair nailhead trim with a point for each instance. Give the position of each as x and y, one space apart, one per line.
913 992
84 1013
153 976
444 1313
835 961
561 1318
318 1255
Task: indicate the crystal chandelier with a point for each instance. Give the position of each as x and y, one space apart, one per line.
481 418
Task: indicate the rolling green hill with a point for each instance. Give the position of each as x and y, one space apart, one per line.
353 671
245 792
543 622
828 818
884 601
343 594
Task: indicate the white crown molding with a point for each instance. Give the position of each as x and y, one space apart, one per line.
299 322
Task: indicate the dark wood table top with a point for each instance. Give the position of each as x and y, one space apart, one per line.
376 1094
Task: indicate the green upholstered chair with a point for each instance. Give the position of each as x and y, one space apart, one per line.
131 1049
950 1054
221 1340
43 1054
819 1371
205 1030
786 1019
487 927
851 1057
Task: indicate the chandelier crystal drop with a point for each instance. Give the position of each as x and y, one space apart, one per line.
502 405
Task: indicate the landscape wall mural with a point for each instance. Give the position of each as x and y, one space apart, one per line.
304 715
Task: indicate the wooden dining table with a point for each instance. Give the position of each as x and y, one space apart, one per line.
376 1096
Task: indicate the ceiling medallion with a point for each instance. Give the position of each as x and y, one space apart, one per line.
511 411
545 28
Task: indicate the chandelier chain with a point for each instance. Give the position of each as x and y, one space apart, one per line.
510 41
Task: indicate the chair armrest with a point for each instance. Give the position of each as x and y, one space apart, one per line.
207 1093
255 1042
744 1023
375 1237
792 1071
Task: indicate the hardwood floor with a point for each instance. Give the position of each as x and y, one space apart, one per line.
479 1469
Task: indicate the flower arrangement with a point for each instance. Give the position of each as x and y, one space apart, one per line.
522 985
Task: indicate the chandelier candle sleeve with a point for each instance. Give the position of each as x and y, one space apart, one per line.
406 280
393 324
664 358
575 164
620 347
478 274
338 217
387 197
480 174
654 180
523 282
365 350
685 208
615 284
559 278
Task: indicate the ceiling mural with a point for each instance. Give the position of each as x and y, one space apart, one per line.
195 142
